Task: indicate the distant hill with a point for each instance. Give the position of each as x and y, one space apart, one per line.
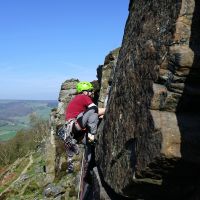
14 114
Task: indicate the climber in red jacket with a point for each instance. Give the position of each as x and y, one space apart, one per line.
82 108
85 114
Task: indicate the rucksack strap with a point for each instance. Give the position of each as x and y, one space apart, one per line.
71 127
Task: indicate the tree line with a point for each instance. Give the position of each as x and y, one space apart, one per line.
25 141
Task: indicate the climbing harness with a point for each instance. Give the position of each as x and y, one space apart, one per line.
65 132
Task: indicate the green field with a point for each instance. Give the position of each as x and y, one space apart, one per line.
15 114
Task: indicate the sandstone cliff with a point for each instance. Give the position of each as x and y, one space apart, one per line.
149 139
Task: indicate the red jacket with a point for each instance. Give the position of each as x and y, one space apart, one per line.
77 105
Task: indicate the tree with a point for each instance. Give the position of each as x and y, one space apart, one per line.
40 128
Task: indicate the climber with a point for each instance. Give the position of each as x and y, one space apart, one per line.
84 113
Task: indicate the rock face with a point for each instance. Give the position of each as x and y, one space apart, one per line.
105 74
149 140
67 92
56 160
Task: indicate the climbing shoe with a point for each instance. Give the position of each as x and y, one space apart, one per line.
73 149
70 167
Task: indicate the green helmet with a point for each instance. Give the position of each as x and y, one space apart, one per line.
83 86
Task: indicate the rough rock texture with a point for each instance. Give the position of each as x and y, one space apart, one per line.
67 92
105 74
56 160
50 156
149 140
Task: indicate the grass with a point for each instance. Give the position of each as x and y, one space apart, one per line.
32 187
1 189
29 188
21 166
7 135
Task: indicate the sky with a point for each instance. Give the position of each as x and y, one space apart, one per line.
45 42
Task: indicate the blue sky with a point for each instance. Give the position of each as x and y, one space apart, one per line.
45 42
